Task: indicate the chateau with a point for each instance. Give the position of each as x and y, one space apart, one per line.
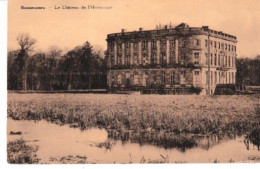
179 59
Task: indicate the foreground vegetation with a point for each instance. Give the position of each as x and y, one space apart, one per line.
150 113
18 152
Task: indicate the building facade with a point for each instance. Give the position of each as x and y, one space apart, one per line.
173 59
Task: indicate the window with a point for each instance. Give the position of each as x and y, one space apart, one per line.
206 43
225 46
219 77
196 62
127 75
172 57
228 47
197 42
211 43
183 73
229 61
163 78
196 73
127 45
145 58
144 79
172 43
135 45
119 60
215 44
207 59
211 77
119 48
211 59
163 58
136 59
136 79
127 59
119 79
196 55
144 45
215 59
216 78
218 59
153 58
153 44
172 77
219 45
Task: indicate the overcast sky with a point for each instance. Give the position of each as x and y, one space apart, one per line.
69 28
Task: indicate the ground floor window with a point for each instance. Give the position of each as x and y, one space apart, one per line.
136 79
172 77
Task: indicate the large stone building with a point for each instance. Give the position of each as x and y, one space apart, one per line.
172 59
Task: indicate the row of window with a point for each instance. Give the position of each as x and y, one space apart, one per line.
144 45
161 79
145 59
219 45
221 77
219 60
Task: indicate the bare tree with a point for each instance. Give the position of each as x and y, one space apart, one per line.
25 42
26 45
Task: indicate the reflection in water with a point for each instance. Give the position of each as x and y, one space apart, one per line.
253 137
169 140
64 143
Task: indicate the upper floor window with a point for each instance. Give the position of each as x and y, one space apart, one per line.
153 44
215 44
196 55
219 45
127 45
119 47
211 59
144 45
206 43
215 59
172 43
135 45
197 42
196 62
183 73
196 72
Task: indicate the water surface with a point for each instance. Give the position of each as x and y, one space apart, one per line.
58 141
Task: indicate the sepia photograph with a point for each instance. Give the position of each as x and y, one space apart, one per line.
133 82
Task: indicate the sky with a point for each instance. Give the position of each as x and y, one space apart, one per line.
68 28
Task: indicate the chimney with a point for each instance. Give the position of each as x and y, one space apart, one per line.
123 30
165 27
205 27
140 29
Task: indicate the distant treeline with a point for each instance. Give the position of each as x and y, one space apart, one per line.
80 68
248 71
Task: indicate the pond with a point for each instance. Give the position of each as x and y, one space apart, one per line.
99 146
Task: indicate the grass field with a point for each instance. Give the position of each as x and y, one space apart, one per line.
152 113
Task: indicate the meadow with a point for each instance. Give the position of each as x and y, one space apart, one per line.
179 114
